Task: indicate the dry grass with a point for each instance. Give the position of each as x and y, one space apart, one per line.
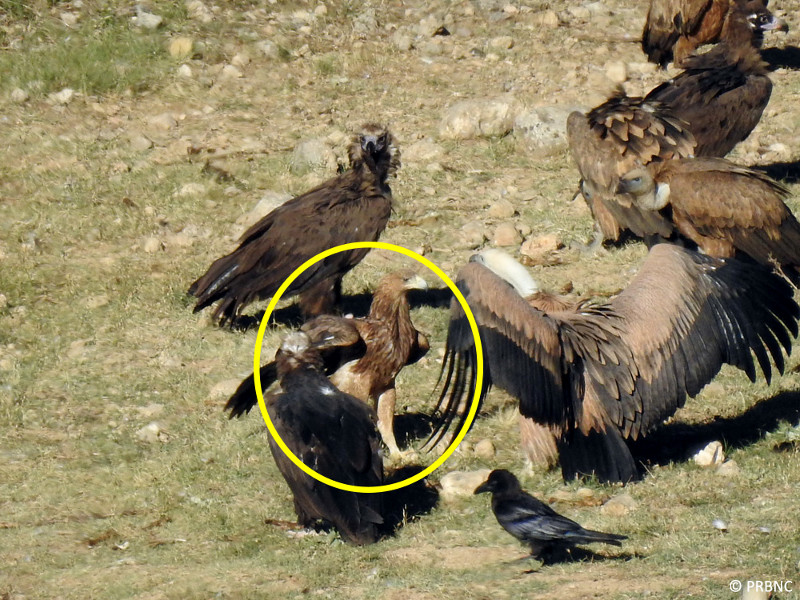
97 338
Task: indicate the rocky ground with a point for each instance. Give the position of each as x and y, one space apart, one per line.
120 477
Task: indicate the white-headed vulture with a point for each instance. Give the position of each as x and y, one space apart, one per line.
331 432
613 138
599 374
674 29
549 534
362 356
723 208
352 207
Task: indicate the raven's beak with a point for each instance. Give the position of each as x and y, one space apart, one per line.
483 488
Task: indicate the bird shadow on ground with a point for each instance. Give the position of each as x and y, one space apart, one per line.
785 172
782 58
573 555
675 442
409 502
352 304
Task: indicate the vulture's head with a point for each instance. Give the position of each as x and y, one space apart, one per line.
645 193
375 148
297 351
500 481
506 268
760 19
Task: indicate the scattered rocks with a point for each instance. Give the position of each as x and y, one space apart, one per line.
269 49
63 97
152 245
423 151
719 525
460 484
712 454
619 506
145 19
544 129
19 96
617 71
268 202
502 209
506 234
539 250
152 433
312 154
140 143
150 411
199 11
484 449
472 235
191 189
231 72
180 47
503 42
224 388
164 121
729 468
473 118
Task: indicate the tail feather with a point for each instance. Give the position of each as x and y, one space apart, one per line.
587 536
604 455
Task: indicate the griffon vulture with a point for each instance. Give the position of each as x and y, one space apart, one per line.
361 356
549 534
352 207
613 138
331 432
721 207
721 94
599 374
676 28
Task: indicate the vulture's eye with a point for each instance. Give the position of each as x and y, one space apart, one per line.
587 193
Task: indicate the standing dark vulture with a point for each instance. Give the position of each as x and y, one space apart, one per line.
353 207
361 356
612 139
599 374
331 432
533 522
723 208
676 28
721 94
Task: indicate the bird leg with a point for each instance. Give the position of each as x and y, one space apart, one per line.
538 443
385 409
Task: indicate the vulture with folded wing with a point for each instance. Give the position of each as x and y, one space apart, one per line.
352 207
331 432
721 94
597 375
613 138
723 208
674 29
362 356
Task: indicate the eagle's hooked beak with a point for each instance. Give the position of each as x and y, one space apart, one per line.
416 282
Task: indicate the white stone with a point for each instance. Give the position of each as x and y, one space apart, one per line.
485 449
503 42
710 455
544 128
151 433
185 71
231 72
180 47
146 19
617 71
65 96
152 245
461 484
473 118
506 234
19 95
619 506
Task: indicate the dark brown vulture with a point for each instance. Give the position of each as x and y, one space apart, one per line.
611 140
353 207
331 432
676 28
721 94
361 356
599 374
721 207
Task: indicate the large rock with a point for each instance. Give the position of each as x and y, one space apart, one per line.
544 129
460 484
312 154
474 118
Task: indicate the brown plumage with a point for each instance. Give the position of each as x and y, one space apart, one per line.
596 375
331 432
361 356
609 141
721 94
723 208
353 207
676 28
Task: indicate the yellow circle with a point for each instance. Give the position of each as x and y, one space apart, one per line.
370 489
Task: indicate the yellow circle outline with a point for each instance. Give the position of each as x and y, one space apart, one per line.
370 489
